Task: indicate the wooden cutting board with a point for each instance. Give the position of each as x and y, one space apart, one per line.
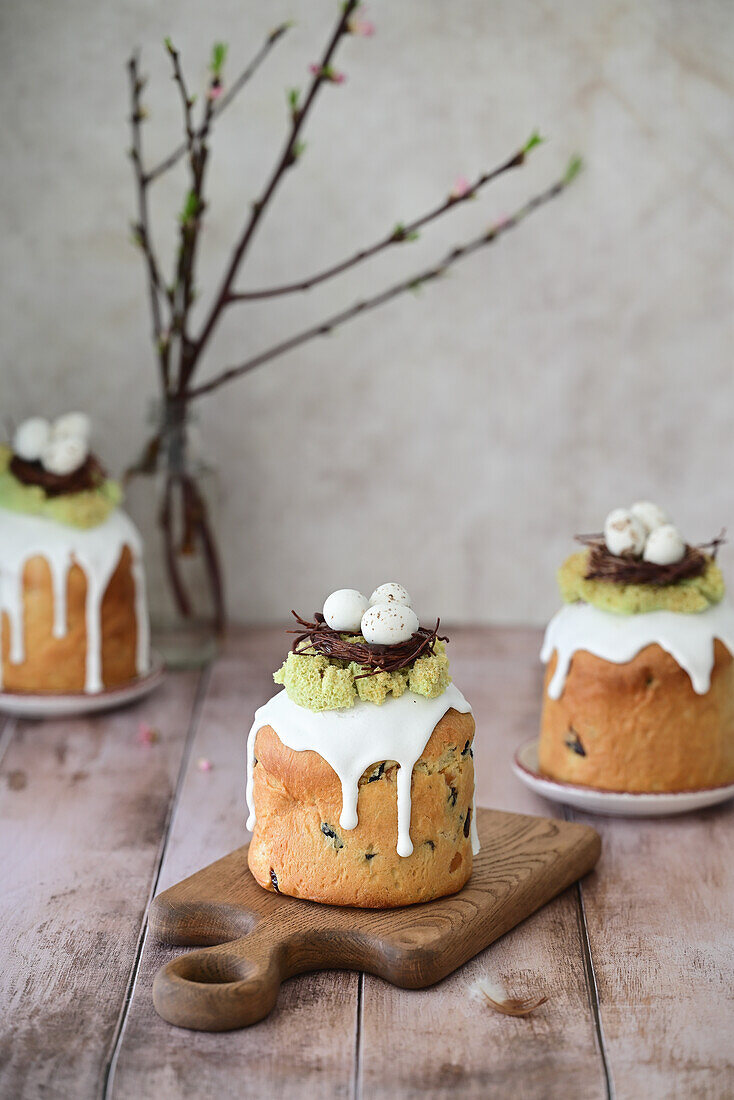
261 938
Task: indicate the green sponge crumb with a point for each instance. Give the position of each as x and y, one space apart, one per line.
323 683
86 509
429 675
687 596
375 689
316 682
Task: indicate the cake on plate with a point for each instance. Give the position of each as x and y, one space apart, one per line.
72 589
360 772
639 686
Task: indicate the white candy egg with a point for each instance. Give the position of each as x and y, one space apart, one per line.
664 545
649 515
391 593
31 437
64 455
344 609
389 623
74 423
623 534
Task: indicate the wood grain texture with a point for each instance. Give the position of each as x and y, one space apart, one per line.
83 810
661 934
650 952
264 938
307 1043
441 1042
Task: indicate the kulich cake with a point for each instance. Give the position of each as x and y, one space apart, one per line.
639 686
360 773
72 589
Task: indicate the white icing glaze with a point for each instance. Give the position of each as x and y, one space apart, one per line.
689 639
353 740
97 551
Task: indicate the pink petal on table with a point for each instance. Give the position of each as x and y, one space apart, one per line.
146 734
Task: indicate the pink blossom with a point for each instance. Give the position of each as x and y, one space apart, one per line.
146 734
215 91
203 764
363 28
328 73
460 189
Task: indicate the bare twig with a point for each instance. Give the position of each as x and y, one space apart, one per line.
182 292
142 227
412 283
248 72
187 102
288 157
397 235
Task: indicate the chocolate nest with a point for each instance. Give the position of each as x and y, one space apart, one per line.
605 566
373 658
90 475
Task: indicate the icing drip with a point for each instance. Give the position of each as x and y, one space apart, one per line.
353 740
689 639
97 551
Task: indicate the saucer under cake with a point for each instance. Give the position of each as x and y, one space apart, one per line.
612 803
19 704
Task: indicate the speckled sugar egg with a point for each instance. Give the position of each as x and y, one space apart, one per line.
343 610
30 438
664 545
649 515
392 592
64 455
389 623
74 423
623 534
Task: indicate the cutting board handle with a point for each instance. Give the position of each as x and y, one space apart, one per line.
220 988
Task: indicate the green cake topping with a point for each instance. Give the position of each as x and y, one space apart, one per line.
87 508
689 595
326 683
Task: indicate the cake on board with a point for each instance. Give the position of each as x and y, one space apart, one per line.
360 771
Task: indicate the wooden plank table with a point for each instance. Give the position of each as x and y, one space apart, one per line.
637 961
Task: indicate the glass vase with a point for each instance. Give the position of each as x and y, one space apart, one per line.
172 494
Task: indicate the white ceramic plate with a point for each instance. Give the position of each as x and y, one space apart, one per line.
23 705
612 803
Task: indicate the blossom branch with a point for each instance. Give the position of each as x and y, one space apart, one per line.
401 232
413 283
288 157
248 72
141 229
181 293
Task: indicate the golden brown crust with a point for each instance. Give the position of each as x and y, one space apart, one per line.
58 665
299 843
641 725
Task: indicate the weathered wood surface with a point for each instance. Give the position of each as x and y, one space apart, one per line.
306 1046
441 1042
637 964
83 816
660 917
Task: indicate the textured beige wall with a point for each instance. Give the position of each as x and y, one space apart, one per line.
454 442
